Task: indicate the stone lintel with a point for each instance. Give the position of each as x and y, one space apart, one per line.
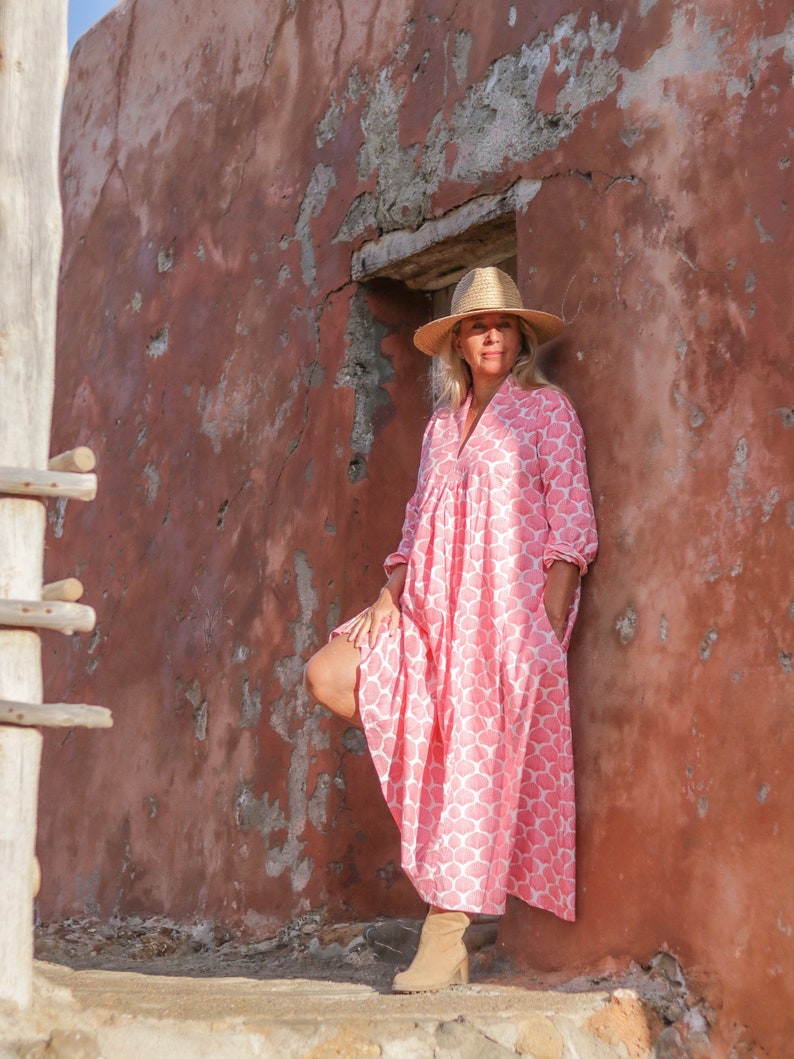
480 232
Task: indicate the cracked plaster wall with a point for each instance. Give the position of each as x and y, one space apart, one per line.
257 418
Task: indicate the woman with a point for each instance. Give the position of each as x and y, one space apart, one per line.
457 672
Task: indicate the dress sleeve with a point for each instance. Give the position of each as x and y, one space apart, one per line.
412 509
566 487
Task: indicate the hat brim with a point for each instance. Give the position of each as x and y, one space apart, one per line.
434 338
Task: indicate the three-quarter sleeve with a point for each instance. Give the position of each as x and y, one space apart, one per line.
403 552
572 533
406 538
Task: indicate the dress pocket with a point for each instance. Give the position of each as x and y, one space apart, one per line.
545 626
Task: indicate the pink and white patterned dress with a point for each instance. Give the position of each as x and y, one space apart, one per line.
466 708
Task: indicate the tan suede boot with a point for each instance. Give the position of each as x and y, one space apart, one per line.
441 959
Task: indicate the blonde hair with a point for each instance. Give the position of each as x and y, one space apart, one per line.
451 376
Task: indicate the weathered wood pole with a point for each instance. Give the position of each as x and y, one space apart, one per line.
33 68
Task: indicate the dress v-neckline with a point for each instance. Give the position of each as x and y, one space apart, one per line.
463 441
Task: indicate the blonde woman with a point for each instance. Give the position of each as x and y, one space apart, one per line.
457 672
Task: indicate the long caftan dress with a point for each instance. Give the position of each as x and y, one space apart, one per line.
466 709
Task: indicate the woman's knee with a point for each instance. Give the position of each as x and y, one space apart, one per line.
315 678
329 678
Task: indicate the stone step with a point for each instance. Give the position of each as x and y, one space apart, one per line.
134 988
85 1014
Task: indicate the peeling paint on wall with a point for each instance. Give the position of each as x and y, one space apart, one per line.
158 343
626 625
257 814
321 184
707 643
460 55
250 704
500 116
365 370
318 802
299 726
152 486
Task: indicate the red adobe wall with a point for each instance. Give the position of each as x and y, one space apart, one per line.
257 416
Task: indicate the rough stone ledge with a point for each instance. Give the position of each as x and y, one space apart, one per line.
319 991
121 1015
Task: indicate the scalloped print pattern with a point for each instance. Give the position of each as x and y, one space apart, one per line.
466 709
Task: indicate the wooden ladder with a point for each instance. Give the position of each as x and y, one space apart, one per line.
68 475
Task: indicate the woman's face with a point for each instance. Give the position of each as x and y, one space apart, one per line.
490 344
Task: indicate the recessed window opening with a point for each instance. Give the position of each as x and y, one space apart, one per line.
433 258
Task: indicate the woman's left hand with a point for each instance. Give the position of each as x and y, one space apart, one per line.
561 582
386 608
368 624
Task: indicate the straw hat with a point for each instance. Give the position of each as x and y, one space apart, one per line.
484 290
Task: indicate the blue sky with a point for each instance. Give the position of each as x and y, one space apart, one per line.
83 14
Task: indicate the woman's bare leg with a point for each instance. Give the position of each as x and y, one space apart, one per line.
331 678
